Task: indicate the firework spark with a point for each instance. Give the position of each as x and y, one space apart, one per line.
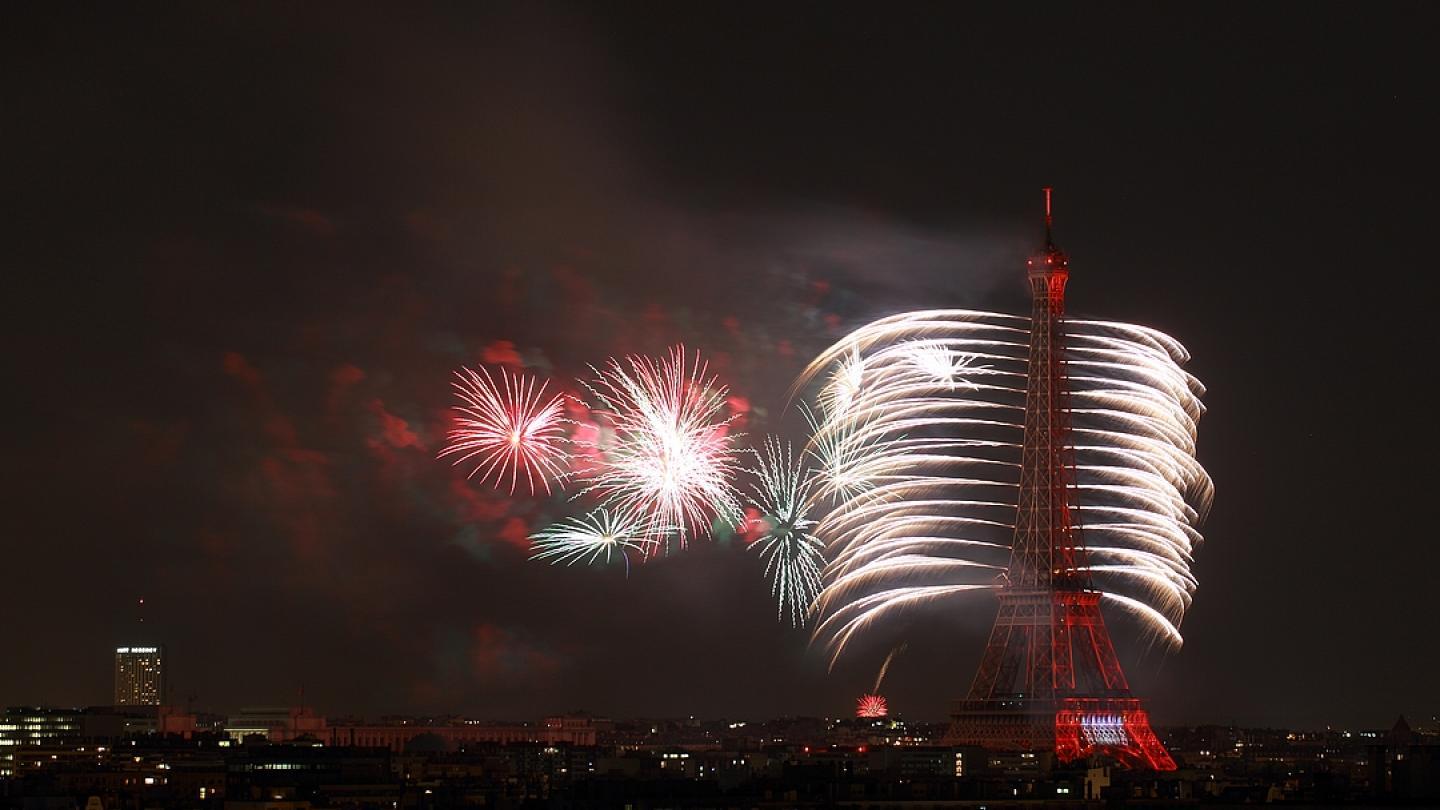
871 706
845 453
936 360
509 430
793 556
885 667
941 474
593 538
843 387
665 450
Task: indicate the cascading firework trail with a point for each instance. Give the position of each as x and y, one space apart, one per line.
793 556
593 538
665 452
841 449
932 442
508 430
843 387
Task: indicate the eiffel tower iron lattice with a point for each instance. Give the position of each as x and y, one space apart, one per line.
1049 677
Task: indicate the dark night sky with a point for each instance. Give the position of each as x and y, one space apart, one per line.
246 245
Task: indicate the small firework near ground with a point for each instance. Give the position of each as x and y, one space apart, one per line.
871 706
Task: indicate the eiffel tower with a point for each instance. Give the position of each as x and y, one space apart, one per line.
1049 678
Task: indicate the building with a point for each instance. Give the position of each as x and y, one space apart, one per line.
35 726
25 725
139 676
278 725
916 762
578 730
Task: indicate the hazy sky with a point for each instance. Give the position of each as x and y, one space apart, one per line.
246 245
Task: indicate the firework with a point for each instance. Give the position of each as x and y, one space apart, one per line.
943 436
871 706
593 538
943 364
843 387
844 453
507 430
665 450
793 556
885 667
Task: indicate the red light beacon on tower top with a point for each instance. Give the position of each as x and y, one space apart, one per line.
1050 265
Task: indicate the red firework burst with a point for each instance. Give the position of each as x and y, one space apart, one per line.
871 706
508 430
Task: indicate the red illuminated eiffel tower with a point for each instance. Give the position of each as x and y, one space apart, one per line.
1049 676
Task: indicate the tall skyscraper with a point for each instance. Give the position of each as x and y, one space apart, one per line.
139 676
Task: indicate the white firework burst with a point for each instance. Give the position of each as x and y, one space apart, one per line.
666 451
943 364
594 538
793 555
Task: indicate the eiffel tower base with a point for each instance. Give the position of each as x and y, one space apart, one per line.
1115 728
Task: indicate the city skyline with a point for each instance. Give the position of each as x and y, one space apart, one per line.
247 284
862 705
294 755
285 723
